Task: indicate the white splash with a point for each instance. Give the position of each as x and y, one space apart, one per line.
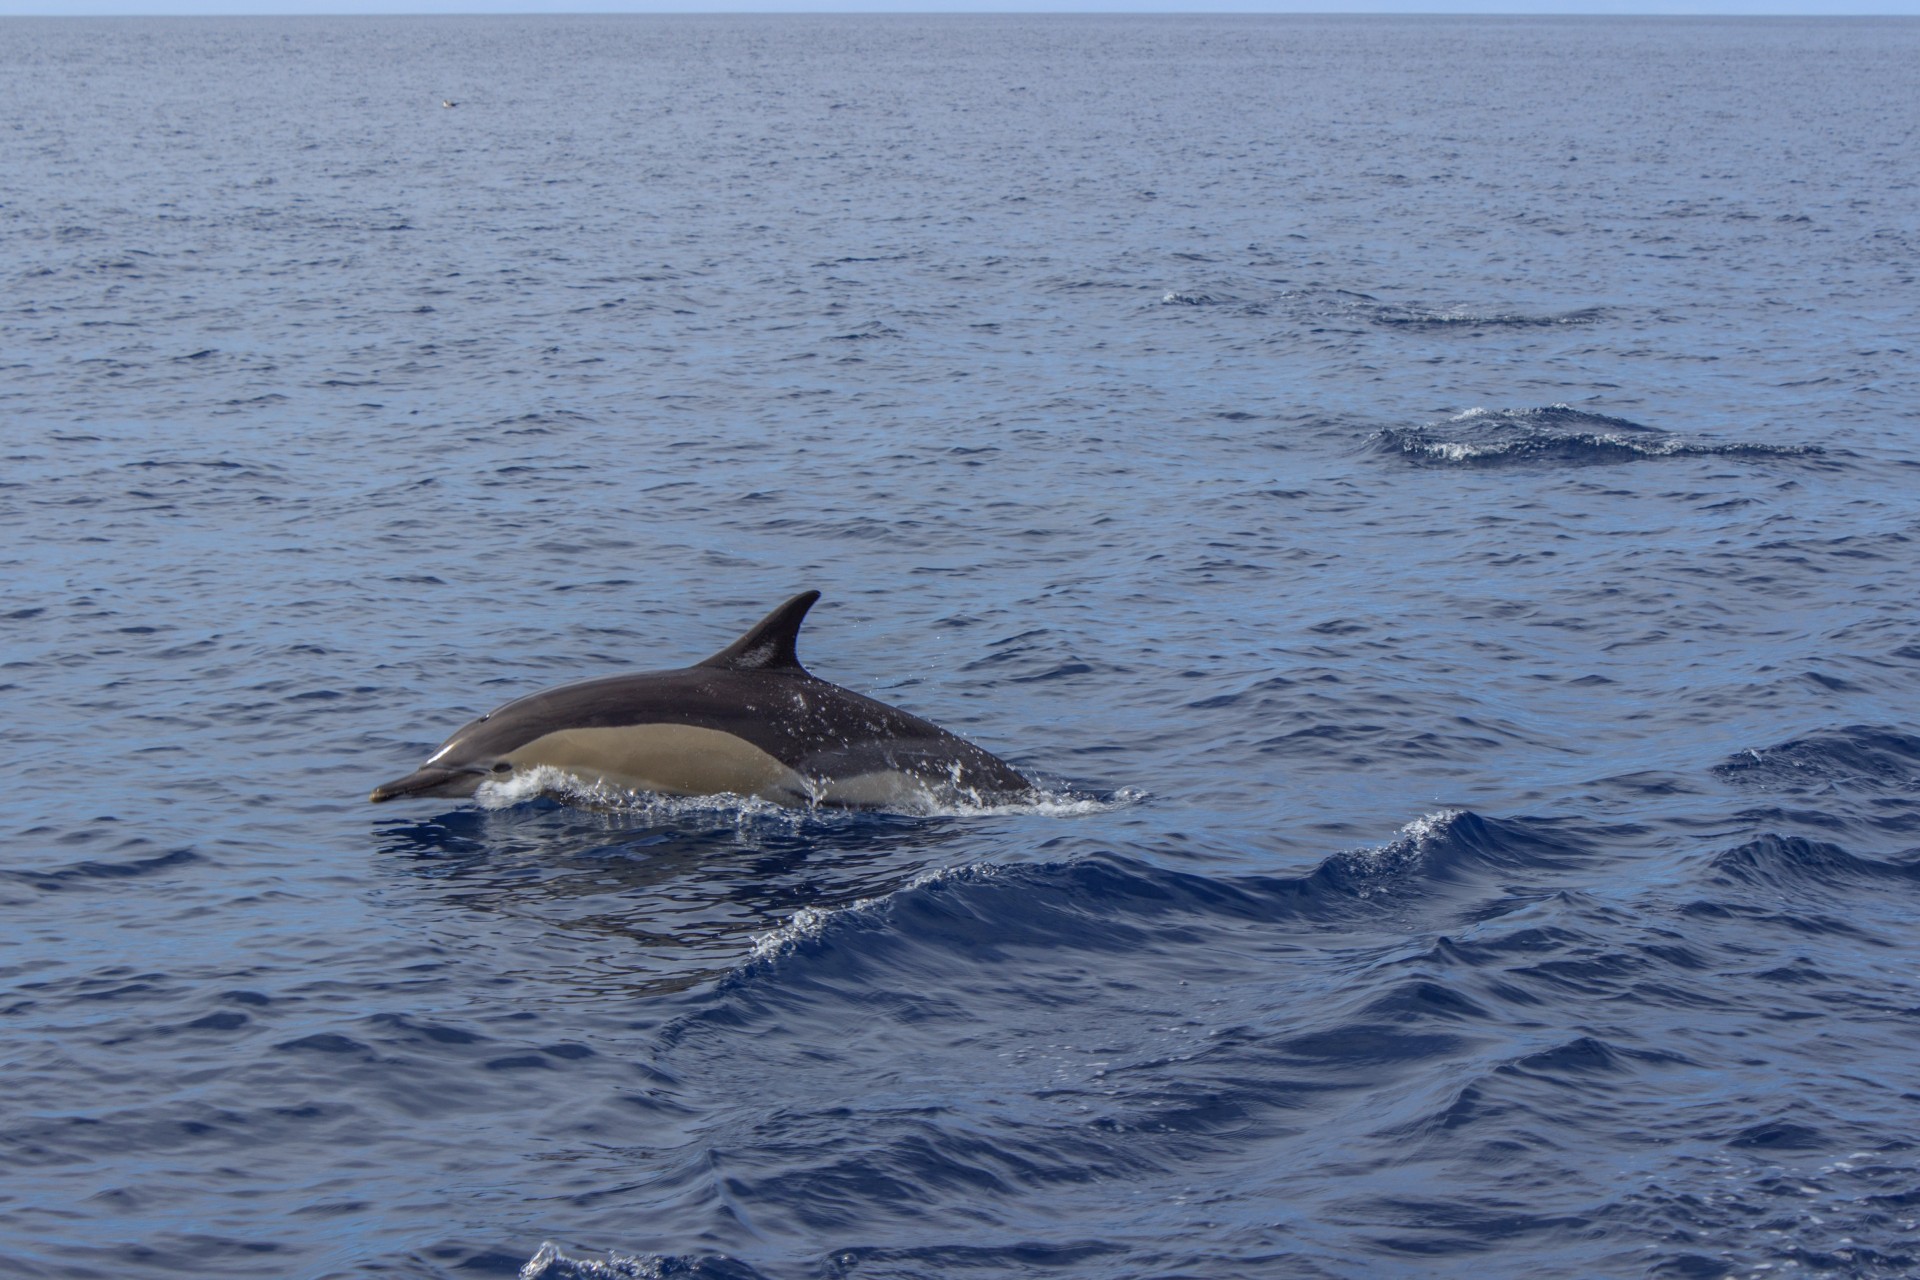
1041 802
1452 451
544 780
549 1263
927 802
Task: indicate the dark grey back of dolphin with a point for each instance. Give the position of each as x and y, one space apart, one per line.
754 692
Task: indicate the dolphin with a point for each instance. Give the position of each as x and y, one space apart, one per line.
749 721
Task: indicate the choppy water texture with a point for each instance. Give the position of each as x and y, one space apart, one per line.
1435 500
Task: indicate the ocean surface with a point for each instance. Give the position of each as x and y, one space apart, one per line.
1435 502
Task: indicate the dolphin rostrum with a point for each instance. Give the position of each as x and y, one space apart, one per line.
749 721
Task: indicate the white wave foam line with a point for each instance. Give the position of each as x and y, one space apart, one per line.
542 781
811 922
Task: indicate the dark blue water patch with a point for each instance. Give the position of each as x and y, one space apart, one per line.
328 1043
221 1020
871 331
1793 918
1359 745
96 873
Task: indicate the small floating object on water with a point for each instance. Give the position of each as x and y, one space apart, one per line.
749 721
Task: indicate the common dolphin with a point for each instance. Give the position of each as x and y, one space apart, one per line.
749 721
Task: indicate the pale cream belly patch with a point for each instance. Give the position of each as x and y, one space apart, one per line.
672 759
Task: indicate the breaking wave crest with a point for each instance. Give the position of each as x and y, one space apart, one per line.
553 1263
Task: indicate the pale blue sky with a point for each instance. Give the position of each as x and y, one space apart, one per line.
1723 7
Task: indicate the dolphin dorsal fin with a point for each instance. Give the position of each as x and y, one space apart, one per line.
769 646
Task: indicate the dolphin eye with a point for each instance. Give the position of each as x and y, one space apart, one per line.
503 767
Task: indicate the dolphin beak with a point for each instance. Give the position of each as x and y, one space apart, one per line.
429 781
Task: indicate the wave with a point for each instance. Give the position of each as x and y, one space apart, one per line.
1110 901
1158 1030
1400 317
1874 756
1195 298
1557 433
1776 862
552 1263
809 923
94 871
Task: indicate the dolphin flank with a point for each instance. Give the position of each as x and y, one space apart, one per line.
749 721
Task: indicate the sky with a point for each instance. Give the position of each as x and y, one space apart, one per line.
281 7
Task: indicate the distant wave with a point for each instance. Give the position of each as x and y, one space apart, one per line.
78 874
1195 298
1343 308
1860 755
1788 862
1557 433
1398 317
1817 783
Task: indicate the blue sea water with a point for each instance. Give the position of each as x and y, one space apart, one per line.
1434 500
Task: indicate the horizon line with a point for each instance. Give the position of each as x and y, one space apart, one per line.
1726 9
